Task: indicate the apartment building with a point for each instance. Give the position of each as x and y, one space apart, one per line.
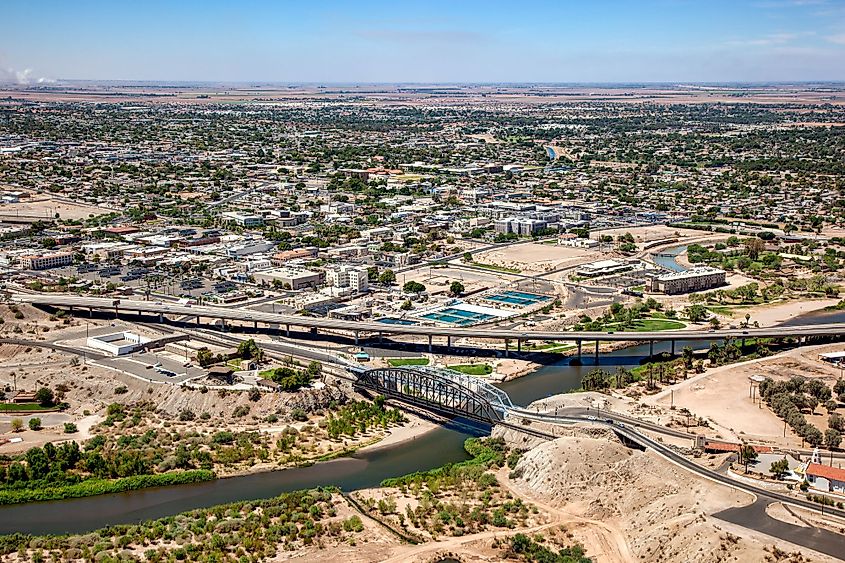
353 277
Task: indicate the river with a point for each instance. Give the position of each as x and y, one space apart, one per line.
667 258
366 469
362 470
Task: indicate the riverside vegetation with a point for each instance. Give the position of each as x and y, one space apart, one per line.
137 447
455 499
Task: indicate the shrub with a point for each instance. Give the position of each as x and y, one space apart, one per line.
35 423
70 428
353 524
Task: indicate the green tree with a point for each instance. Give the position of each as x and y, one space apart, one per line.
832 438
413 287
35 423
456 288
44 396
747 454
205 357
687 354
696 313
387 277
249 350
779 468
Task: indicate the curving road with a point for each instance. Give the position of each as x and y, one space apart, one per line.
163 308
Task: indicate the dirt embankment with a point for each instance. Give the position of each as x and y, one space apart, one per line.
628 505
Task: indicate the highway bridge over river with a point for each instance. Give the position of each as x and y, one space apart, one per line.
205 314
446 391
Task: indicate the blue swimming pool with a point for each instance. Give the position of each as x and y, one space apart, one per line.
458 317
517 298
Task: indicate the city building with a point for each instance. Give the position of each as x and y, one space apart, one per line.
826 478
117 343
353 277
603 268
243 219
695 279
293 278
46 261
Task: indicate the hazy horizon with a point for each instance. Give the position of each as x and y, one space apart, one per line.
437 42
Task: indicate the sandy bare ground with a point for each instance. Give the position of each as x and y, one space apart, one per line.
638 505
769 315
722 395
537 258
47 208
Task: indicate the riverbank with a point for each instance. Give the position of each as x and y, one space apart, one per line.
771 314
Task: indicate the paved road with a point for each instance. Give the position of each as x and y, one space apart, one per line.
754 517
159 307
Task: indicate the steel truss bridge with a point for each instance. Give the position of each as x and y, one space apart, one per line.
446 391
438 389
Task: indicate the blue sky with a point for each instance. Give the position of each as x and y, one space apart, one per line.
424 41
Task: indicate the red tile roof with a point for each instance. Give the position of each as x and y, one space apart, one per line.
717 446
829 473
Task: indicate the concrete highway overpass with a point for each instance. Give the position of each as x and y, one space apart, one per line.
357 328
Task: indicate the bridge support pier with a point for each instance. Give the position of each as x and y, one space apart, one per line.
597 352
673 348
356 338
448 341
579 342
507 348
650 349
255 325
161 317
380 337
519 345
90 311
429 344
287 331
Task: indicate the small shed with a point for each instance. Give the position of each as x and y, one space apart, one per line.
221 373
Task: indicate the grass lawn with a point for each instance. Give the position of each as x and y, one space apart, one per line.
21 407
648 325
473 369
396 362
495 268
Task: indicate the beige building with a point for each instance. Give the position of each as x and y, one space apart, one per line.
295 278
46 261
696 279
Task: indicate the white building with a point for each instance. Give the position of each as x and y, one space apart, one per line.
243 219
602 268
353 277
295 278
117 343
